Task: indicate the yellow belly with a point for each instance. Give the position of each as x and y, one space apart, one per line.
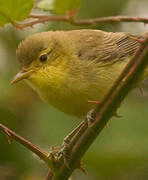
72 94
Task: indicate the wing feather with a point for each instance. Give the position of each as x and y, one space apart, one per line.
102 46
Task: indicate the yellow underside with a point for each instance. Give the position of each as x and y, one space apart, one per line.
70 91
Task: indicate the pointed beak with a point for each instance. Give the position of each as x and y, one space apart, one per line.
21 75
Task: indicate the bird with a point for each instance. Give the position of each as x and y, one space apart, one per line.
71 69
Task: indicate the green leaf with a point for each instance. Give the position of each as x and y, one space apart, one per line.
14 10
58 6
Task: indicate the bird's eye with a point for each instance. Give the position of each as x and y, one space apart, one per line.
43 58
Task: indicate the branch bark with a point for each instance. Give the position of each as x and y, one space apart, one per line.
36 150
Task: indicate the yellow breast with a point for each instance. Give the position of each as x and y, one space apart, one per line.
69 91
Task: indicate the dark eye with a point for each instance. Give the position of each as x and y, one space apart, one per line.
43 58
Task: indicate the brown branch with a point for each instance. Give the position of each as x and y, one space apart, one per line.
112 19
105 110
41 19
36 150
70 19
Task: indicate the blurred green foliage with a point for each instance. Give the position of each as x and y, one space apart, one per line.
58 6
16 10
120 152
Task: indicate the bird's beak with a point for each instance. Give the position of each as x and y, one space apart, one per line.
21 75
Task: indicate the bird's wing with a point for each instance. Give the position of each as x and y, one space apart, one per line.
107 47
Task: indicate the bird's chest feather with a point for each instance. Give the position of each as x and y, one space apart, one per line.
68 93
71 91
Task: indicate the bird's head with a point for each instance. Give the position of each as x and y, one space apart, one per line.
38 54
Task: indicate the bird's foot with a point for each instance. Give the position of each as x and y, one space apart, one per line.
56 153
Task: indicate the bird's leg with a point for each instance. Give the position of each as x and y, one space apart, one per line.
60 149
88 120
64 147
69 137
64 151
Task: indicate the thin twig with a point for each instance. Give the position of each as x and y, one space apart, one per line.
69 19
112 19
41 19
36 150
